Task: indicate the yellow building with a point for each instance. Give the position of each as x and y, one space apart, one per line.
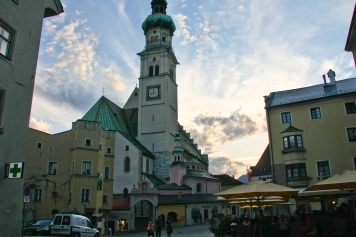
312 132
70 171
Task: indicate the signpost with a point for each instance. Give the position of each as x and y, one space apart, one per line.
26 198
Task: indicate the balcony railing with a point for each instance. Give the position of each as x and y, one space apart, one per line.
158 45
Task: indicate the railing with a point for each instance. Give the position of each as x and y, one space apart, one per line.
158 45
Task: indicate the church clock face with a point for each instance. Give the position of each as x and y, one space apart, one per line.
153 92
154 39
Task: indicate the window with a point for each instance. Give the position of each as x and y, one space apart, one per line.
100 147
127 164
323 168
105 199
144 188
147 165
39 145
85 195
2 104
164 39
86 167
286 117
75 142
5 41
315 113
52 168
126 193
72 168
292 142
199 187
156 70
350 107
107 172
88 142
150 73
108 150
127 148
296 170
351 134
37 195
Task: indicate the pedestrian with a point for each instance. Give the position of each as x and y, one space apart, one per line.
158 226
169 226
110 231
150 228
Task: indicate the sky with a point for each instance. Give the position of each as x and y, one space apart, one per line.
231 54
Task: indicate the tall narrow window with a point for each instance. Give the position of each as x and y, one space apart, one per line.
199 187
150 72
286 117
127 148
126 193
323 168
2 105
52 168
127 164
5 41
105 199
156 70
147 165
37 195
350 107
315 113
107 172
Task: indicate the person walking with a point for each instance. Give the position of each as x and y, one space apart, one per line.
158 226
150 228
169 226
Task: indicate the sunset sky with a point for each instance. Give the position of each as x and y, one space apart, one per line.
231 54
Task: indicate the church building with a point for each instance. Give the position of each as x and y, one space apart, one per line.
127 164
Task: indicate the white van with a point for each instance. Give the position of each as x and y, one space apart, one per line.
74 226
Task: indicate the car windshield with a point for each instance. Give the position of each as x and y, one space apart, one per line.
42 222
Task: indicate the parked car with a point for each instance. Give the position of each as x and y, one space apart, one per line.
40 227
73 225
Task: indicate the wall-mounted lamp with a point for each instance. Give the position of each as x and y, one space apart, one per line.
55 195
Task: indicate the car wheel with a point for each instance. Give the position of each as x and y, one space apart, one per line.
96 235
76 235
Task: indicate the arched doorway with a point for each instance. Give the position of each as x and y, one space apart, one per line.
143 211
173 215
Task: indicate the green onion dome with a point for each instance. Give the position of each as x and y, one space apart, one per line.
159 20
161 2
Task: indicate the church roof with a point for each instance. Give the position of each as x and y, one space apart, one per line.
198 174
173 187
187 199
189 146
153 179
114 118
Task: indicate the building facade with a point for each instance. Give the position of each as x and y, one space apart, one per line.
20 33
312 132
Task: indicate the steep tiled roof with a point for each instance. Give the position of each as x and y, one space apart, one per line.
189 147
114 118
198 174
263 166
186 199
227 179
173 187
310 93
153 179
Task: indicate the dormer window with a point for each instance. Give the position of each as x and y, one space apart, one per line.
150 73
156 70
144 188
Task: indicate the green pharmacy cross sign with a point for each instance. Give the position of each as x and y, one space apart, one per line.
14 170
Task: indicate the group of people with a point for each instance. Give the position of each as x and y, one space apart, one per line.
151 228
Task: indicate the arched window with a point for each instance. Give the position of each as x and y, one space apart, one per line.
108 150
151 71
147 165
127 164
127 148
161 9
199 187
156 70
126 193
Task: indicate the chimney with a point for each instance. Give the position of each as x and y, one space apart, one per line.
331 75
324 79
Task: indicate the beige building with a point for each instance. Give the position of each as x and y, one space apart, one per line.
312 131
70 171
20 33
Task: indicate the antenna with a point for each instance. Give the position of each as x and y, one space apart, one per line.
103 90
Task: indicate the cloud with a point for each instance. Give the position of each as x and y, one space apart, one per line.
39 125
224 165
183 29
220 130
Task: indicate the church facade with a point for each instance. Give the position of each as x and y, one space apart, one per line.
124 165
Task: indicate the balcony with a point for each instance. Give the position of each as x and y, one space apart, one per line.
158 45
290 150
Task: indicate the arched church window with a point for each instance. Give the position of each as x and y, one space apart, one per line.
199 187
127 148
156 70
150 73
127 164
126 193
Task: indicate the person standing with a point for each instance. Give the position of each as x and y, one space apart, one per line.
150 228
169 226
158 226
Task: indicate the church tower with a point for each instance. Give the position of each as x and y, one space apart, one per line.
158 107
